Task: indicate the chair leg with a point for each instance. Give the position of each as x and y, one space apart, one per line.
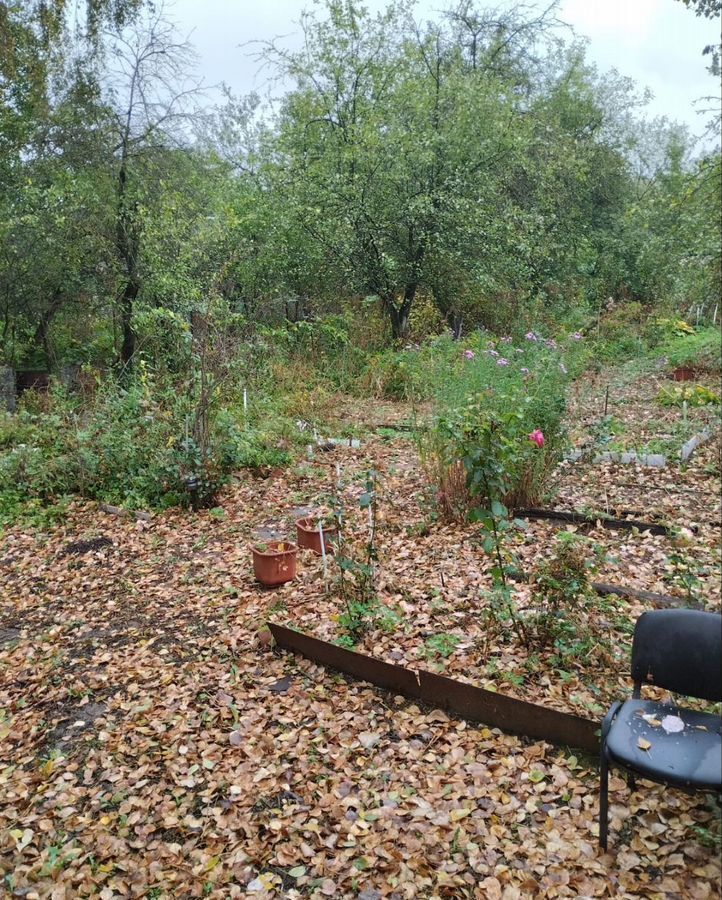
603 799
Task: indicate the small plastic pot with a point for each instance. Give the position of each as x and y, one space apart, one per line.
683 373
276 564
308 536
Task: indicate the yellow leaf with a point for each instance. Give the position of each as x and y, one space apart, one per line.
643 743
457 814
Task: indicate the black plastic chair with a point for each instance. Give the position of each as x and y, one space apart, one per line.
679 650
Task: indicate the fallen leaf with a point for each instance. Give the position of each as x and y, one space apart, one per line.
368 740
672 724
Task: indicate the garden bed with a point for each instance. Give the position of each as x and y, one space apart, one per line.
619 411
155 746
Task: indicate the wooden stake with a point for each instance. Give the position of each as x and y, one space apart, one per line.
323 554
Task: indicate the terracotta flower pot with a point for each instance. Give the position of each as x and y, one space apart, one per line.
308 535
683 373
275 562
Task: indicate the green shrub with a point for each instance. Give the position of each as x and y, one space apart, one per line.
701 350
562 592
490 397
691 394
389 376
135 445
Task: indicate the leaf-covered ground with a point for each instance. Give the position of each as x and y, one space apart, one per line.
152 745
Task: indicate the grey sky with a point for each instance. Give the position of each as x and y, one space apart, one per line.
658 43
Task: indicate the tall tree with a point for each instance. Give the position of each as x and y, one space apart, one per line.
150 91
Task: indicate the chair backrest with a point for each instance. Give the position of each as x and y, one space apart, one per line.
680 650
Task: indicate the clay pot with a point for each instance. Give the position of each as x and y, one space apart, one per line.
276 564
308 536
683 373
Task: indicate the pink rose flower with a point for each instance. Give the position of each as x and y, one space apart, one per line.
537 437
576 336
469 354
502 362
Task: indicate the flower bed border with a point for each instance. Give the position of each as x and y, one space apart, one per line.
576 518
464 700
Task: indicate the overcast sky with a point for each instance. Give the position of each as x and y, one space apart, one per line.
658 43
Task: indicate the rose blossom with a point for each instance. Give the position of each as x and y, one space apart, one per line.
537 437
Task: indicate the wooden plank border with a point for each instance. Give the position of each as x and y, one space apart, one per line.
658 601
576 518
459 699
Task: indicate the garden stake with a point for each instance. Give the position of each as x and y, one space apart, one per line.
323 555
606 401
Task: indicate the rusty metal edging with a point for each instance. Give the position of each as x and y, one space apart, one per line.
365 668
464 700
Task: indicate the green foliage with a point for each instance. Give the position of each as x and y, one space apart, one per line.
441 645
489 401
683 574
562 591
419 171
691 394
132 446
701 350
606 432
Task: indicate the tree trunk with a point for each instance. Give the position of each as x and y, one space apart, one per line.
127 350
127 243
456 323
399 314
40 338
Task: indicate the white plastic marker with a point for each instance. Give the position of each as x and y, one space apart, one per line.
245 402
323 553
338 472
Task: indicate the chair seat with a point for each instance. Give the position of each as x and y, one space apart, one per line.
691 757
